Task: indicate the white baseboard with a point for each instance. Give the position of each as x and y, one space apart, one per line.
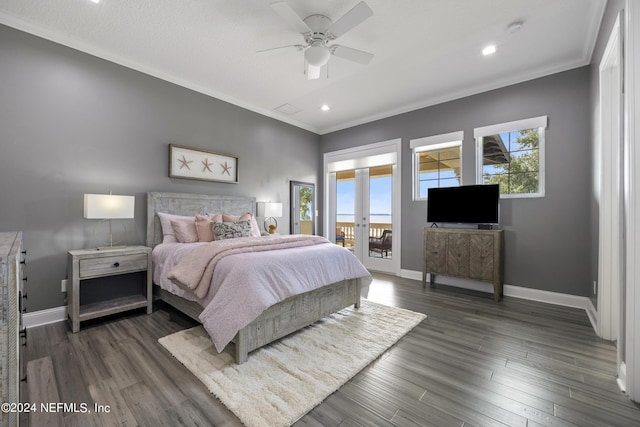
449 281
464 283
44 317
58 314
411 274
556 298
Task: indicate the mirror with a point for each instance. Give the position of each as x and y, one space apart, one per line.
303 208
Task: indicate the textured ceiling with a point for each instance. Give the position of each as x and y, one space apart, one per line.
426 51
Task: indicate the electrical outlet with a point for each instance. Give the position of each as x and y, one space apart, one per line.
595 287
63 284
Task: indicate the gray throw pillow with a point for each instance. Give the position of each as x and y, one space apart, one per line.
226 230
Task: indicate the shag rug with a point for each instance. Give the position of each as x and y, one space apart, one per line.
284 380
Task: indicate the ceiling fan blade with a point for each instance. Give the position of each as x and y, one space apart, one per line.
292 18
298 47
355 55
312 72
349 20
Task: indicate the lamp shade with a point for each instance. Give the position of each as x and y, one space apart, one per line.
108 206
269 209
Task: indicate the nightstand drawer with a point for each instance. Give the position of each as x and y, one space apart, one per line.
112 265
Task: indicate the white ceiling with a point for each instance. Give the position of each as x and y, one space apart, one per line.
426 51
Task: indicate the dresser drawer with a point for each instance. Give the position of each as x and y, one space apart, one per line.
111 265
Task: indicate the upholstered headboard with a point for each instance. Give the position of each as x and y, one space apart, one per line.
191 204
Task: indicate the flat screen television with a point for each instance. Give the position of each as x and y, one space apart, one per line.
467 204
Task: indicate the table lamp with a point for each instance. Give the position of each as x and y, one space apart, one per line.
269 211
109 207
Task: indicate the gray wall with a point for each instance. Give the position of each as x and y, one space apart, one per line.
72 124
547 239
609 18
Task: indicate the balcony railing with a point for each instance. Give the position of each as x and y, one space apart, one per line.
348 228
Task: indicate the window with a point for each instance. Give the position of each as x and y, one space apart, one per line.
512 155
436 162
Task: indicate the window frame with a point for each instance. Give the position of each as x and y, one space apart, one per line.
432 143
539 123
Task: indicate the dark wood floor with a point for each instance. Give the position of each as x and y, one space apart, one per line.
471 362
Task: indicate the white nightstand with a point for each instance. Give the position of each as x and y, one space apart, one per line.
92 263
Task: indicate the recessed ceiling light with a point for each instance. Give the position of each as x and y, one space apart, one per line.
489 50
95 1
325 107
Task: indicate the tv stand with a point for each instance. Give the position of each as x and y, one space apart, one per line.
464 253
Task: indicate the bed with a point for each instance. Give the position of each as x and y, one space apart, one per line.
278 320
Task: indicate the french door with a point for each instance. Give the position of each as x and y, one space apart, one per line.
364 206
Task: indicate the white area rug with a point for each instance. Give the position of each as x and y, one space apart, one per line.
284 380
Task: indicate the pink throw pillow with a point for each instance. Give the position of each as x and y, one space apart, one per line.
255 230
203 226
185 230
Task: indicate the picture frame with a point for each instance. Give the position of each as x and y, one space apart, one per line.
190 163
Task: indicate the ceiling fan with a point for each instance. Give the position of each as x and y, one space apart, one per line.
318 31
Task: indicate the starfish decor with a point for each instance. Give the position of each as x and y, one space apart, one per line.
225 169
206 164
185 162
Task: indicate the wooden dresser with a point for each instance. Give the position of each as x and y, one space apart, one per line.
464 253
11 261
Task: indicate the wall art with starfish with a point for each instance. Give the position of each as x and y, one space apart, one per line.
193 163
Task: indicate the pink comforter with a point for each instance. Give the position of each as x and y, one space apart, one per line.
244 284
194 272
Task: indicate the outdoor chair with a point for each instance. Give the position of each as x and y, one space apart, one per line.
339 236
381 244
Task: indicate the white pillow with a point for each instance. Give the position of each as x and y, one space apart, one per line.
168 234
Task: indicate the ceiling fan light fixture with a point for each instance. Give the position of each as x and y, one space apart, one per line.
317 55
318 31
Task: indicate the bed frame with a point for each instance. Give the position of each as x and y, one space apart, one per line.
278 320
